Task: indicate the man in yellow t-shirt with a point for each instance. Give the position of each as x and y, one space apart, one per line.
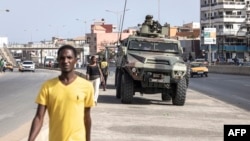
68 99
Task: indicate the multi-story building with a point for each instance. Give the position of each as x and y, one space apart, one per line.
231 18
189 36
102 35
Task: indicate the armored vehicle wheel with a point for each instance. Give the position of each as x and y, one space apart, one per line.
116 76
118 84
179 95
188 75
165 96
127 89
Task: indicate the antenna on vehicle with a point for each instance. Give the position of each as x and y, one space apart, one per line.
123 15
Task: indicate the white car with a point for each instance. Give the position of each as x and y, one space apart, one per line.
27 66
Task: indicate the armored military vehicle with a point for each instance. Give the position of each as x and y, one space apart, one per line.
148 62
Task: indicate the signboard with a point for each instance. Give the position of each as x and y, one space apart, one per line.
86 50
209 35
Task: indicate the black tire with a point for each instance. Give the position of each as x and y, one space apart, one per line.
127 89
118 84
188 75
206 74
179 96
116 72
165 95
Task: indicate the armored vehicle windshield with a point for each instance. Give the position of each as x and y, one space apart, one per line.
153 46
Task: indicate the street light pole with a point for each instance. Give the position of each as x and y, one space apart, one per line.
6 10
118 16
85 24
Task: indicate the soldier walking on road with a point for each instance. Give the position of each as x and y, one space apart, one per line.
68 99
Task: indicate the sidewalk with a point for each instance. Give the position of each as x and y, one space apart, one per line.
43 135
149 119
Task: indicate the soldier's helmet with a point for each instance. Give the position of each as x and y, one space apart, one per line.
149 17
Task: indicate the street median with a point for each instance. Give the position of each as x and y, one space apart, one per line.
229 69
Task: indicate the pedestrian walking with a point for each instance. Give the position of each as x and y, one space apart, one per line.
236 61
68 99
105 72
1 64
4 65
95 75
245 59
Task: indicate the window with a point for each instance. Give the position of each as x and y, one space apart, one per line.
228 26
153 46
26 62
88 39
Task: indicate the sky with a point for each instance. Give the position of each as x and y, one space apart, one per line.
39 20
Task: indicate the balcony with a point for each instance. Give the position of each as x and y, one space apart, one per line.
235 48
224 18
248 8
223 5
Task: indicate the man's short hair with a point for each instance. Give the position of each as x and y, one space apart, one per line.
67 47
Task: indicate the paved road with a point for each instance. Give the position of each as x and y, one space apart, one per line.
233 89
149 119
18 91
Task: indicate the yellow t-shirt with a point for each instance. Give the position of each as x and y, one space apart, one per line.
65 104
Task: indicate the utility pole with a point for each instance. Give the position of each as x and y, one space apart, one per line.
209 47
159 11
120 16
123 16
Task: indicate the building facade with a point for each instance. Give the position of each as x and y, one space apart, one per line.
102 35
231 19
189 36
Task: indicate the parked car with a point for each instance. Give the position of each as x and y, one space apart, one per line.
245 64
199 69
9 67
27 65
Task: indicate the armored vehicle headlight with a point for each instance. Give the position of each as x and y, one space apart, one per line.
133 70
179 73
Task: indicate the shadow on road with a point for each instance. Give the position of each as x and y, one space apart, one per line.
111 99
110 86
